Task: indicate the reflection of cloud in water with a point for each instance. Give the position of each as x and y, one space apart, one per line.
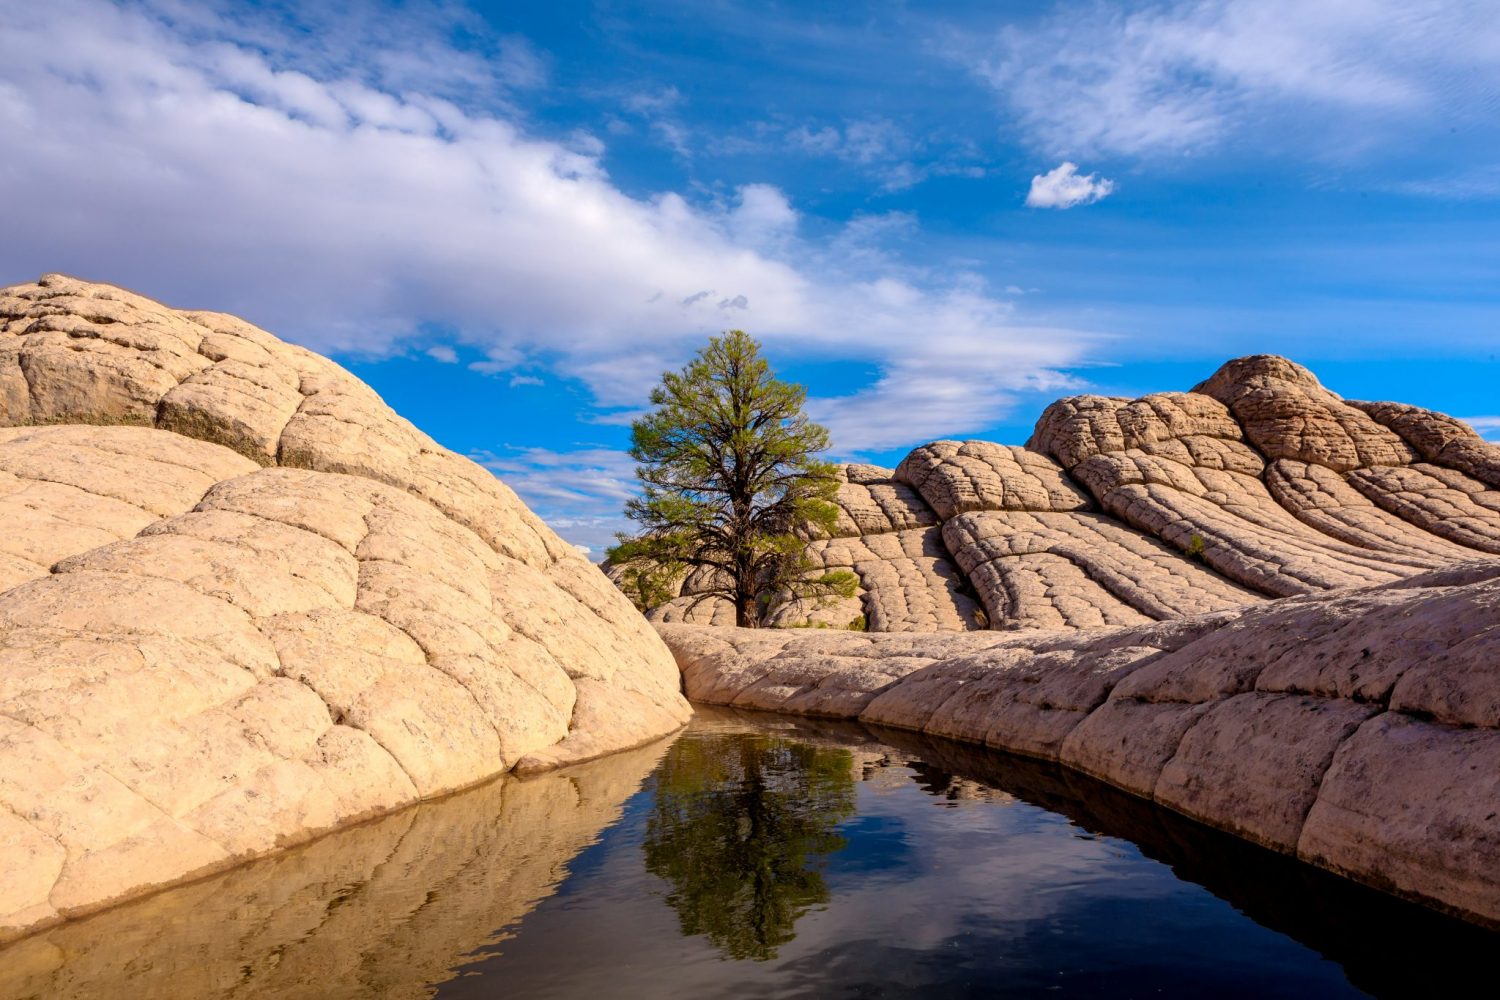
960 872
385 909
1003 869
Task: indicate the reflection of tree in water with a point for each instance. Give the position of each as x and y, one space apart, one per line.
739 826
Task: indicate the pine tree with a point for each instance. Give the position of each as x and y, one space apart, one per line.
731 483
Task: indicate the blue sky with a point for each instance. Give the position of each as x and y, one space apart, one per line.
511 218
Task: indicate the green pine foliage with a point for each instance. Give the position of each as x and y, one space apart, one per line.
731 482
741 831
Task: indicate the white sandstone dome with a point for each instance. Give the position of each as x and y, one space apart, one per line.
243 602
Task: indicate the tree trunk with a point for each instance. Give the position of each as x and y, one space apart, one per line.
744 607
746 614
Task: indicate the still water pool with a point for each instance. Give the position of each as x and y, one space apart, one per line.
759 856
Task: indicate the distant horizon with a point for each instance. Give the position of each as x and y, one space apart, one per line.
510 223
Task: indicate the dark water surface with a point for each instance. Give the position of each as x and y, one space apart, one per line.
759 856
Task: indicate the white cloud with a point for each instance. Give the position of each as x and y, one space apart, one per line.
1487 427
443 353
863 141
648 103
879 147
657 111
1064 187
580 493
520 380
223 162
1184 75
763 218
931 393
1478 184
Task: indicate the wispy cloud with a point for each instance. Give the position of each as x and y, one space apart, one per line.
1488 427
1183 76
930 392
894 156
580 493
256 170
659 111
1064 187
1480 183
877 145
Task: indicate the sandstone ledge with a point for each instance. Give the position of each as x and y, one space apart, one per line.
243 602
1358 730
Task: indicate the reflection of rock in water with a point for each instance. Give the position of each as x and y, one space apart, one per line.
1359 928
739 826
875 763
380 910
885 771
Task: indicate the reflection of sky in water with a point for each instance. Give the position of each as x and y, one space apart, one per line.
978 897
834 861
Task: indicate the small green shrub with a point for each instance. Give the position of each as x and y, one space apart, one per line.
1195 548
858 624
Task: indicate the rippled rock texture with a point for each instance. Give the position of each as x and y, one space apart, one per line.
1255 603
1259 483
243 602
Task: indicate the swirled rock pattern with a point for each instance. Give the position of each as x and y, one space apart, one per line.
1258 483
1133 548
243 602
1358 730
886 535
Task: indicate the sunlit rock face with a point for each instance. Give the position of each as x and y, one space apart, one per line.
1259 483
242 601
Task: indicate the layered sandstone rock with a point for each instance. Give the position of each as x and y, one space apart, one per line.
242 602
888 537
1258 483
1358 730
1128 554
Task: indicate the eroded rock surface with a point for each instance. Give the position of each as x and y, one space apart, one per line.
1358 730
243 602
1258 483
1130 555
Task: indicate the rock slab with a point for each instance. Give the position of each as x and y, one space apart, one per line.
242 602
